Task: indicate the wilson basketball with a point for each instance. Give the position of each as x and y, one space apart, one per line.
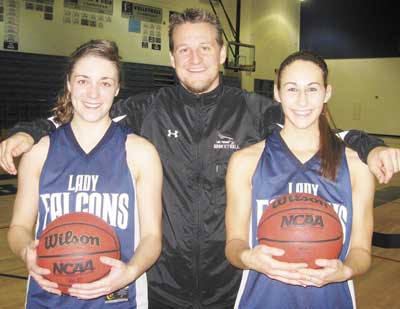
304 225
71 246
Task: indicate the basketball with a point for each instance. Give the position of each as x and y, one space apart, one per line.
71 246
304 225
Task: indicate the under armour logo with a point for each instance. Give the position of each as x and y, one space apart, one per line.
174 133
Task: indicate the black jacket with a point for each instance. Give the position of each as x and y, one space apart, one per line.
195 135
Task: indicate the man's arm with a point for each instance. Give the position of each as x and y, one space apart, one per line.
362 143
23 135
382 161
133 110
20 139
267 112
36 129
272 115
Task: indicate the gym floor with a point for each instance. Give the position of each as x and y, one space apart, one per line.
376 289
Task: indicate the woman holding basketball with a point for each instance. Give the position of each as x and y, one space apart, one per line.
304 156
91 164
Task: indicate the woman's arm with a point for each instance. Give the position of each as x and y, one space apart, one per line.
363 188
20 233
238 207
146 165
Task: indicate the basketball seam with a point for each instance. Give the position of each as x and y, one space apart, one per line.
77 254
300 241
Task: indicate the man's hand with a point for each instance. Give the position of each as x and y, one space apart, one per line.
384 162
12 147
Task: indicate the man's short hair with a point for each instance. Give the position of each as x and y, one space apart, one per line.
193 16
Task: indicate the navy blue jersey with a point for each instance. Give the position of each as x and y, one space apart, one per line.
99 183
279 172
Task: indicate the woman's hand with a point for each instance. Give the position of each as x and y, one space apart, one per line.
37 272
261 259
119 276
330 271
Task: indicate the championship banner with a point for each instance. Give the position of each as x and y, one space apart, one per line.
11 25
96 6
141 12
45 6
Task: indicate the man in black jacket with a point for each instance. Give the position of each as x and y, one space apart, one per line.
196 126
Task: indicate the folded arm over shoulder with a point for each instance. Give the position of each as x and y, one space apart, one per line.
382 161
24 134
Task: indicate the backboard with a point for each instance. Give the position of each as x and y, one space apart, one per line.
240 57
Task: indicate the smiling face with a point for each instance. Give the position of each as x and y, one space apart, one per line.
302 94
93 84
197 56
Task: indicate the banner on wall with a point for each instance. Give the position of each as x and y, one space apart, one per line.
146 20
96 6
86 19
88 13
151 36
1 11
11 24
45 6
48 2
141 12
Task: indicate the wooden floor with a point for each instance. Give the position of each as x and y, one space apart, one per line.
376 289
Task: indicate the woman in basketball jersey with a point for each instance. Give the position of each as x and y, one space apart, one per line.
304 154
91 164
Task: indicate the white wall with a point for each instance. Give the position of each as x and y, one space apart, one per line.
365 94
273 26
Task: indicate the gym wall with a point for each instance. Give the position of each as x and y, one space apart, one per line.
36 33
365 94
273 26
361 40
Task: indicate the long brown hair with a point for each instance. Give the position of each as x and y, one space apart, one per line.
330 146
108 50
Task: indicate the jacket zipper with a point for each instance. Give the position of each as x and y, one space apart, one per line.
197 296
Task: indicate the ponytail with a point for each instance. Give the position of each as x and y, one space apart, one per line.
330 149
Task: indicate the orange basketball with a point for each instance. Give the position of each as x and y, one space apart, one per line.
304 225
71 246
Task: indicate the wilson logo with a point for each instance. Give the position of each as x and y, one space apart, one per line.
297 198
302 220
63 239
73 268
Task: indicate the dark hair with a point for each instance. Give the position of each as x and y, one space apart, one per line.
101 48
193 16
330 146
